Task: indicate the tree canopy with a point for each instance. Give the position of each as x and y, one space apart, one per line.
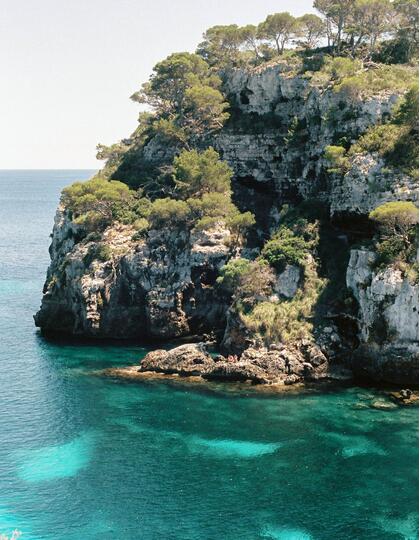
197 173
395 219
310 29
93 203
278 28
185 94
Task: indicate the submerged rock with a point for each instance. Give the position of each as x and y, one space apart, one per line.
383 405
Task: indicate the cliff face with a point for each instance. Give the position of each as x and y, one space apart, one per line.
388 320
159 288
163 286
276 140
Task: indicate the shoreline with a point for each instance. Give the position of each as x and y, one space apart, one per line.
393 396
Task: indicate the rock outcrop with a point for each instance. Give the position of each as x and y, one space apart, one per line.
388 321
276 143
158 288
367 186
279 365
162 286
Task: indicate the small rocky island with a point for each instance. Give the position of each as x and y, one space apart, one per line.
267 204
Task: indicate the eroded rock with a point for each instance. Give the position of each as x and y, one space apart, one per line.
287 365
388 321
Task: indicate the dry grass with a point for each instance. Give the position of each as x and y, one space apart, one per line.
288 320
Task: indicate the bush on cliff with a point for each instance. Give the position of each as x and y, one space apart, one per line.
295 238
373 81
168 212
255 285
96 202
396 223
336 69
232 273
213 208
185 94
99 252
197 173
395 219
336 157
286 320
205 182
396 141
377 139
285 248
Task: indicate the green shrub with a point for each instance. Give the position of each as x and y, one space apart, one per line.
335 70
407 110
196 173
211 205
405 154
168 132
95 202
287 320
213 208
380 139
255 285
397 141
93 237
285 248
394 51
206 223
413 273
396 224
337 158
168 212
103 253
238 224
389 251
100 252
231 274
141 224
395 219
373 81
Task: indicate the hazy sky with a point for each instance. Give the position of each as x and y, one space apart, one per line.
69 66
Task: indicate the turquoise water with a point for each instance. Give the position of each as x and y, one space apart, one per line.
84 457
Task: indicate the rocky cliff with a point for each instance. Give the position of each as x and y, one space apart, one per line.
276 140
388 313
154 288
163 285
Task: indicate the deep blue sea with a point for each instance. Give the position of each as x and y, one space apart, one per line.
83 457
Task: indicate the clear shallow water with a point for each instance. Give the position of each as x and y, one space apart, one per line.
83 457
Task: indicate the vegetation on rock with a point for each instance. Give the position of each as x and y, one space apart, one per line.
203 200
252 283
185 97
396 140
395 219
168 175
396 223
95 203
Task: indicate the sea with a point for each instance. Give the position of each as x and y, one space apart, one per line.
88 457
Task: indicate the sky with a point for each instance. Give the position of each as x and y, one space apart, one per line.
69 66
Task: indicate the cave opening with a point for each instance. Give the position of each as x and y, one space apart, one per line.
244 96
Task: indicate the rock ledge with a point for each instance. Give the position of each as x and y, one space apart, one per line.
282 365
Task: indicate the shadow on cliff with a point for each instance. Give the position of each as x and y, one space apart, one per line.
336 303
